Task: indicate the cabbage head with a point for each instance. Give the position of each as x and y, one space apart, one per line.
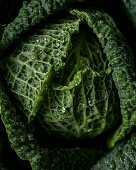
67 79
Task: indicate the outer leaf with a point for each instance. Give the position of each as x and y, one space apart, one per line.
16 129
123 156
24 143
119 57
31 64
2 141
29 15
7 156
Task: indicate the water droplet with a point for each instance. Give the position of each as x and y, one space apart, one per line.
89 130
81 105
62 109
30 136
57 45
37 41
91 102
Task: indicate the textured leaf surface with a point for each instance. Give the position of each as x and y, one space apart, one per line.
119 56
80 100
7 156
64 87
29 15
30 65
25 144
52 80
123 156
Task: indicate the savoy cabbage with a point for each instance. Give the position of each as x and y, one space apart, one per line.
67 87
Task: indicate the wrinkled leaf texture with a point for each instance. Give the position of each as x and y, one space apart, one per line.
117 53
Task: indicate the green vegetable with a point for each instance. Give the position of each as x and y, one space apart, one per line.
68 81
123 156
26 145
6 154
73 98
29 15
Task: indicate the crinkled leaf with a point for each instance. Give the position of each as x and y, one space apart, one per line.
123 156
118 54
29 15
22 71
30 65
65 88
24 142
120 60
